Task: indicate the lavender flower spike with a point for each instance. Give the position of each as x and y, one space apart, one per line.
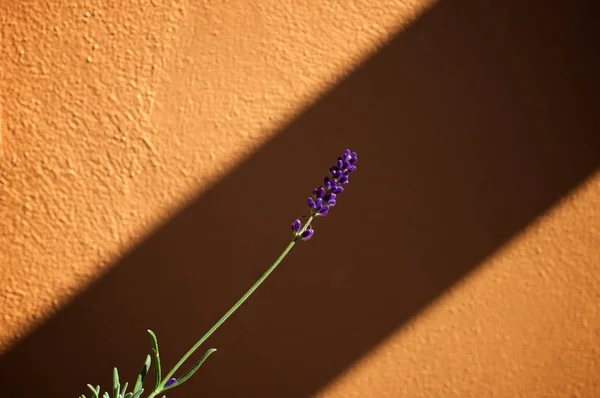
338 175
324 197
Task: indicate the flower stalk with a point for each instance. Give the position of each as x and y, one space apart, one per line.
322 200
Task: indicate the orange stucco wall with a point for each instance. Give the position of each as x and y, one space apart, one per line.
153 154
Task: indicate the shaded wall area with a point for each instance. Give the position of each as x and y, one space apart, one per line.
469 125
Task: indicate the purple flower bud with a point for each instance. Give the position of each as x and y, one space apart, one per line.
347 152
351 169
331 203
327 183
337 190
343 180
329 197
311 203
353 159
296 225
170 382
340 163
323 211
307 234
334 184
345 164
319 192
335 172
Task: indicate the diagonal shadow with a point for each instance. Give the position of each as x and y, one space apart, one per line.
469 125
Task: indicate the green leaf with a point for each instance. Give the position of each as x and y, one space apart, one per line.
116 384
95 391
124 389
157 370
129 395
193 370
82 396
138 394
140 380
105 395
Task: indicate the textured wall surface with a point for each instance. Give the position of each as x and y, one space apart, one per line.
526 323
153 154
115 116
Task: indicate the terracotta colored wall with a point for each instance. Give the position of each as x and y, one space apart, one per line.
154 154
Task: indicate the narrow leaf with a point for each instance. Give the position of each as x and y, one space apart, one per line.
116 384
140 379
106 395
124 389
94 391
129 395
193 370
138 394
157 371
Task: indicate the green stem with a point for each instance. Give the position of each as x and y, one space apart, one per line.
231 311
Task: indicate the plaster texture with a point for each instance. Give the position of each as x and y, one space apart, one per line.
116 115
153 154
